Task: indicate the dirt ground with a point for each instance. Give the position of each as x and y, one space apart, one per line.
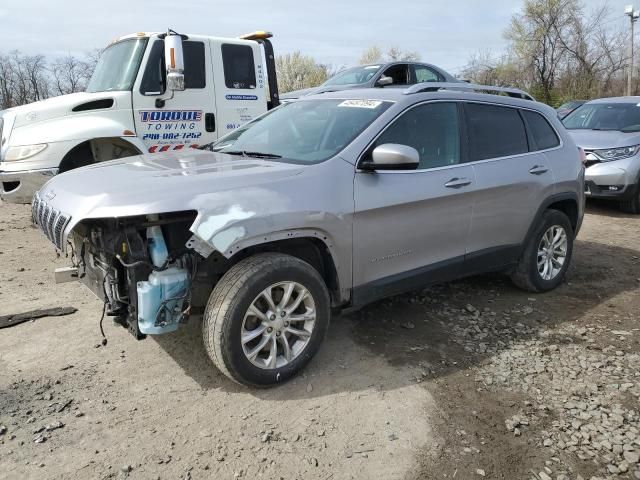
468 380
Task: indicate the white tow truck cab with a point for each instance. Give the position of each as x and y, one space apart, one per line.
150 92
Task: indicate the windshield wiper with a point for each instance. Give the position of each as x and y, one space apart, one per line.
246 153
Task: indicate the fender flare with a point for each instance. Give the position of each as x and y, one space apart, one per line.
550 200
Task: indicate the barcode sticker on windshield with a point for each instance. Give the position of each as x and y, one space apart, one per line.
361 103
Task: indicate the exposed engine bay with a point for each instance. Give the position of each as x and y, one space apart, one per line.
141 269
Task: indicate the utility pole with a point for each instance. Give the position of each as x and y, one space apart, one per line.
633 16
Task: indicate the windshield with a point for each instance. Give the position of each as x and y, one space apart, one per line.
353 76
624 117
307 131
118 66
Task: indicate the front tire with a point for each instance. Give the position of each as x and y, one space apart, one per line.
547 255
632 205
266 319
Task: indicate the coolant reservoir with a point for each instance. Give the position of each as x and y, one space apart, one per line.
157 246
161 300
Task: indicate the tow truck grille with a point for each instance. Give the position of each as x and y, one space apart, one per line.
51 221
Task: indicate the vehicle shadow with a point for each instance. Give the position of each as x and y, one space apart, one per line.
428 334
604 208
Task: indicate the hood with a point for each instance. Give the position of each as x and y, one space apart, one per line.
601 139
162 182
77 116
63 105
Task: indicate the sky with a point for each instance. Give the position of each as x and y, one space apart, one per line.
334 32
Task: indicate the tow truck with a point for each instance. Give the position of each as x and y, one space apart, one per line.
150 92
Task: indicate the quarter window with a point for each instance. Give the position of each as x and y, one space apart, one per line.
154 78
543 136
432 129
494 131
239 67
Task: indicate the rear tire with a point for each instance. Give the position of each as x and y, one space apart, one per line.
260 339
545 260
632 205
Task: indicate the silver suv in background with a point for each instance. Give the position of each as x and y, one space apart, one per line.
326 203
390 74
608 130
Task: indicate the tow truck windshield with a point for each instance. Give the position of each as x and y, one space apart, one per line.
118 66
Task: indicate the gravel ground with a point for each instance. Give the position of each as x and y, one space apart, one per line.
473 379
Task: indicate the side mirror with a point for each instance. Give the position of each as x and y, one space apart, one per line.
383 81
174 60
392 156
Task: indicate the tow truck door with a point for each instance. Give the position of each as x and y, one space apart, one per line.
240 82
188 119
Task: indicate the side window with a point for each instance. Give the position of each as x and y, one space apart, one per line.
239 67
494 131
432 129
154 78
399 73
425 74
542 134
195 66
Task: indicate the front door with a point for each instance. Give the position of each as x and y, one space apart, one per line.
188 119
411 227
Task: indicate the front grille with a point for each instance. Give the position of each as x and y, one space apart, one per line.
51 221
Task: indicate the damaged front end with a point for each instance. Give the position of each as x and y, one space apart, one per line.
139 266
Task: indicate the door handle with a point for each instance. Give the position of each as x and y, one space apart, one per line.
538 170
209 122
457 182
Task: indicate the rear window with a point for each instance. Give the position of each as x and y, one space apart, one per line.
543 136
239 67
494 131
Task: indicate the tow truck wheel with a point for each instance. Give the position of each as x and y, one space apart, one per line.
265 319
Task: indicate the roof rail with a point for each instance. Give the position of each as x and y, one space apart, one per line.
467 87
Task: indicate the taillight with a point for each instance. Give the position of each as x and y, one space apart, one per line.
583 156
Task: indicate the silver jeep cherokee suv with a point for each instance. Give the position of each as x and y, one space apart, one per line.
326 203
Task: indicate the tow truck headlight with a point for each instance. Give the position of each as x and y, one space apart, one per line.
611 154
24 151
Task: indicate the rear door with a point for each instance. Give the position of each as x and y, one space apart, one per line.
411 226
240 84
512 180
182 121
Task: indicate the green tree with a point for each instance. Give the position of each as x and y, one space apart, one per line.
296 71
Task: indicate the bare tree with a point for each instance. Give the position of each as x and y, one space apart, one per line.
536 37
70 74
371 55
393 54
29 78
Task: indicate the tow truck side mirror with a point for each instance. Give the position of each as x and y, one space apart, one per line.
174 60
384 81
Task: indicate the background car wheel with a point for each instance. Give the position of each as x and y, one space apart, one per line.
633 204
547 255
266 318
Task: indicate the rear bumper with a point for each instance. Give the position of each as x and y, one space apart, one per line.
20 186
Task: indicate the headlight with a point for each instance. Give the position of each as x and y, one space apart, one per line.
24 151
610 154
